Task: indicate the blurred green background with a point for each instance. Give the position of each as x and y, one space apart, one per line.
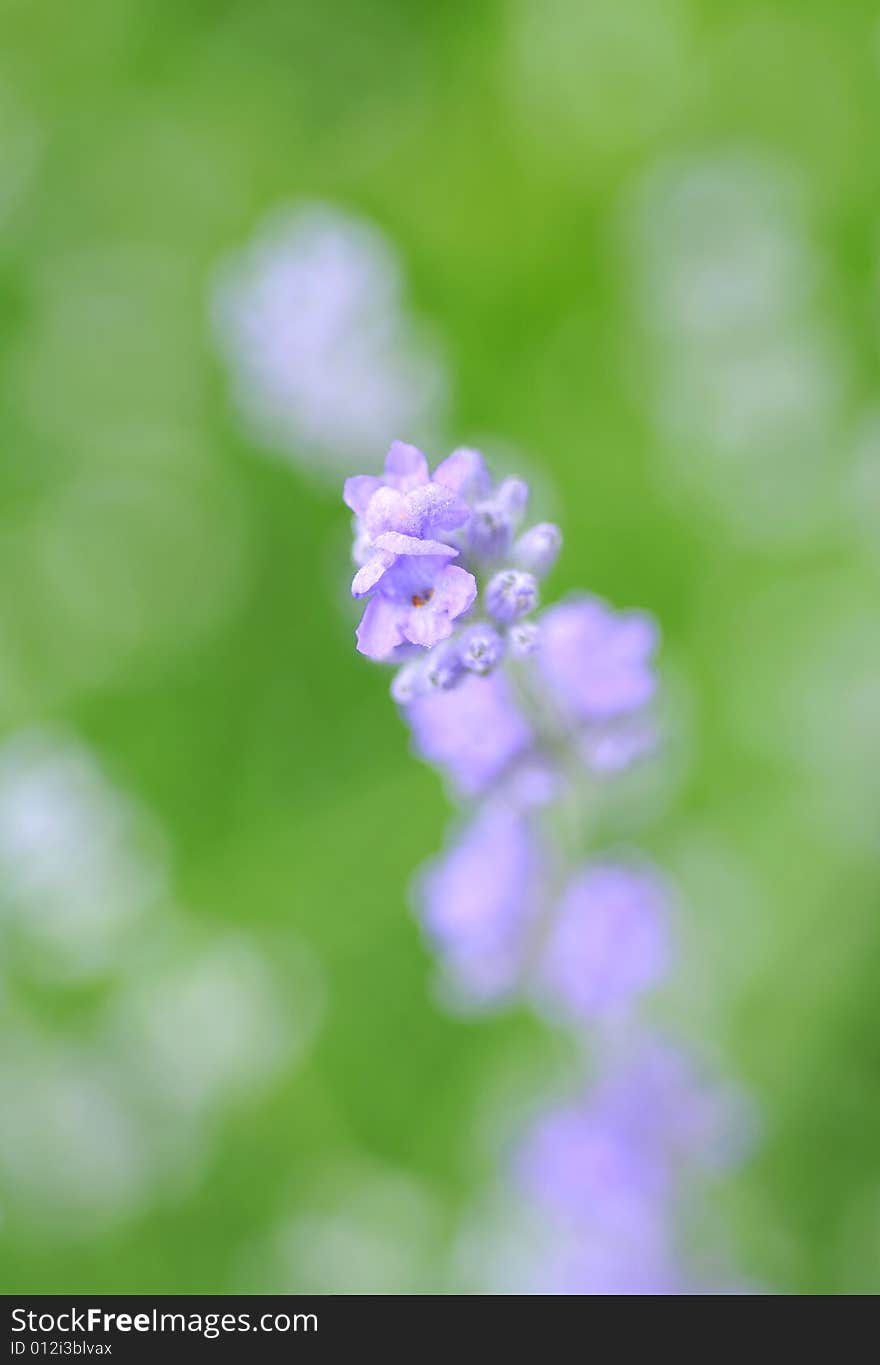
643 238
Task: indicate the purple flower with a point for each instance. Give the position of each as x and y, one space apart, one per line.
605 1172
478 900
615 1156
664 1094
398 515
596 661
475 731
324 360
607 943
418 594
418 606
580 1164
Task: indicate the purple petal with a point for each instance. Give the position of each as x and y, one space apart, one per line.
414 576
436 508
406 466
370 573
389 510
429 622
379 633
424 627
358 491
397 544
454 591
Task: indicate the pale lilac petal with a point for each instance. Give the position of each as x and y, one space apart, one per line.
413 576
389 510
430 620
406 466
437 508
424 627
454 591
358 491
395 543
379 633
371 573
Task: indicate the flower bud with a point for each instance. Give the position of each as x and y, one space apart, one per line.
510 595
480 648
524 638
538 548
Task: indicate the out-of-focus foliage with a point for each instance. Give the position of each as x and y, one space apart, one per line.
644 238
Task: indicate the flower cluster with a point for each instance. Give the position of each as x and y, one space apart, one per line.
517 706
526 710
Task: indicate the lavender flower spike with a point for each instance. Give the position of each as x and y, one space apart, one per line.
525 712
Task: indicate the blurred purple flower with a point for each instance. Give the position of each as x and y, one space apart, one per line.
607 943
582 1166
596 661
418 594
324 362
608 1171
474 732
478 902
690 1115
